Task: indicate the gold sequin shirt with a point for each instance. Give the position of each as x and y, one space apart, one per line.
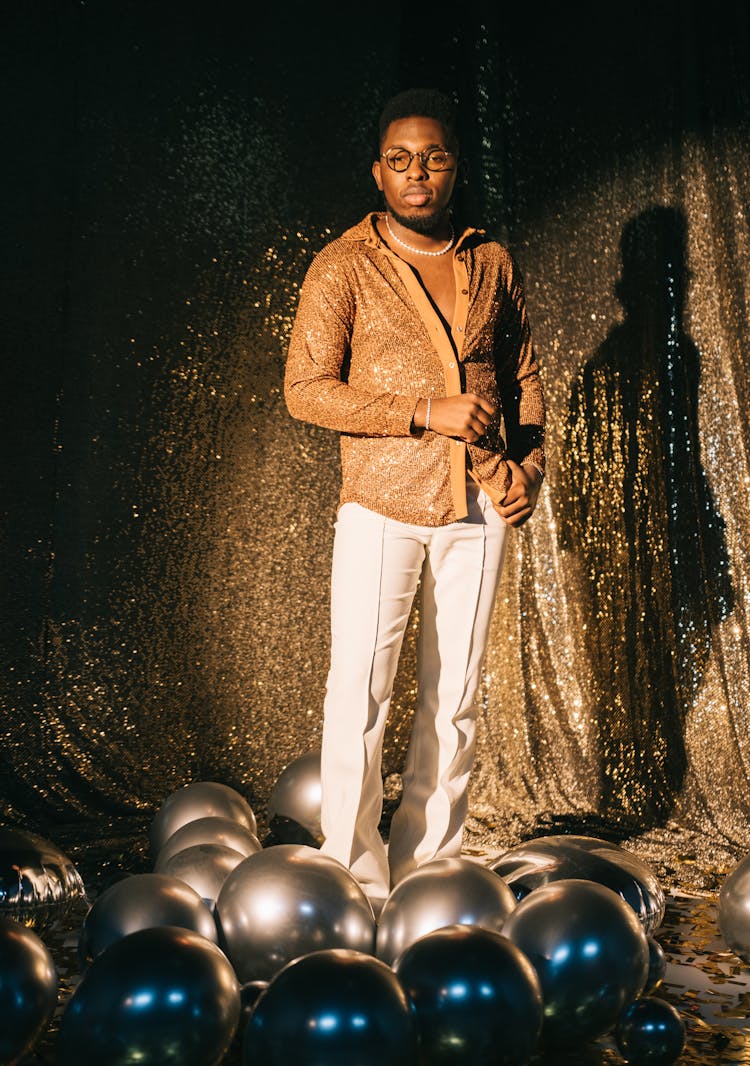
367 344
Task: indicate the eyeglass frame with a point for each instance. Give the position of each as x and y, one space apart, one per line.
421 155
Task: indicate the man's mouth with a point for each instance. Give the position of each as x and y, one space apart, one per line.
416 197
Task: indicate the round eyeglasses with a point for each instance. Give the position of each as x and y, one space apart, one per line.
399 159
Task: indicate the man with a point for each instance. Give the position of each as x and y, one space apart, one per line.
411 339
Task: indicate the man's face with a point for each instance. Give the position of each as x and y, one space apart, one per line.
418 198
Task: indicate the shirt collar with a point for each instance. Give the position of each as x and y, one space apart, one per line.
365 231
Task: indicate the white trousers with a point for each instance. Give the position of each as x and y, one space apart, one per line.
377 564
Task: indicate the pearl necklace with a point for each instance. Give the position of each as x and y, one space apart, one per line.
421 251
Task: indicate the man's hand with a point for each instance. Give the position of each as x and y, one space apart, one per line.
520 499
465 417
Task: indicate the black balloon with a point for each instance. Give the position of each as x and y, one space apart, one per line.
651 1033
332 1007
589 951
657 965
143 901
28 990
557 858
477 997
163 995
37 881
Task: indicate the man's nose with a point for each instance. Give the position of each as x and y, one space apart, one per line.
416 168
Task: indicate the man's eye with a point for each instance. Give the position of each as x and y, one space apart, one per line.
399 159
437 158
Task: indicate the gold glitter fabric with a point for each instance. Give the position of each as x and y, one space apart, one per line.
367 344
167 529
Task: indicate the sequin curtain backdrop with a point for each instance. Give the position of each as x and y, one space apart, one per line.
168 552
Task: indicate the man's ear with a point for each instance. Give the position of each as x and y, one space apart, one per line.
376 174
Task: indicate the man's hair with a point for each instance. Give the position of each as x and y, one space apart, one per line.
426 103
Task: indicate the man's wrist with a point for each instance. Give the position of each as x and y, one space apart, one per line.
530 462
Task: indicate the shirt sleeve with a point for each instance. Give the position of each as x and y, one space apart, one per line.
315 383
519 381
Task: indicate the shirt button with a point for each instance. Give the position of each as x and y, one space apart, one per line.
459 329
460 257
464 292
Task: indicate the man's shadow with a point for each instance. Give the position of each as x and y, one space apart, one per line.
639 513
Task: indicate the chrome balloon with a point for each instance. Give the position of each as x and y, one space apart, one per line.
332 1006
36 878
287 901
205 867
210 831
28 990
477 997
201 799
657 965
589 951
143 901
442 892
162 995
557 858
294 803
651 1033
734 910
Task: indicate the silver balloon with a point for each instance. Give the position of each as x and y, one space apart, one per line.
332 1006
442 892
36 879
211 831
285 902
558 858
143 901
205 867
28 990
162 995
589 951
294 803
201 799
734 910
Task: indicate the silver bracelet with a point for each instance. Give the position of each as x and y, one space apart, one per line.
427 416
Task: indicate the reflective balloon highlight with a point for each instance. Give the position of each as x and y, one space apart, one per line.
477 997
651 1033
142 902
201 799
556 858
156 996
589 951
285 902
28 990
332 1006
442 892
204 867
295 800
36 878
657 965
734 910
210 830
